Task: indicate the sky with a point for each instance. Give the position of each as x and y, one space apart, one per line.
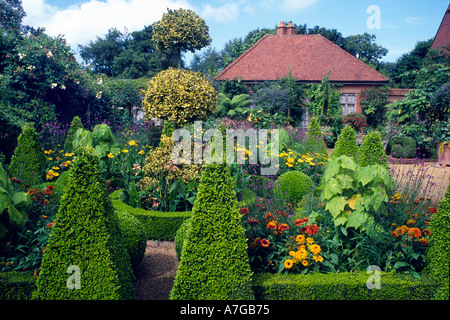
397 24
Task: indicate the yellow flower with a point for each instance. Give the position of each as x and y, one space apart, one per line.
141 152
305 263
288 264
310 240
55 168
125 151
50 159
292 253
317 258
300 238
315 248
110 155
69 155
132 143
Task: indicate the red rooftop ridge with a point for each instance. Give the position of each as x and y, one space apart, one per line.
442 37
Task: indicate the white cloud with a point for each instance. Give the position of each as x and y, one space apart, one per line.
228 12
81 23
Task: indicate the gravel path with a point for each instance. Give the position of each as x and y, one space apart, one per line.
156 273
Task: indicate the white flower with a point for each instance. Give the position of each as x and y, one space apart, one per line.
49 54
99 95
99 81
31 68
22 55
54 85
63 87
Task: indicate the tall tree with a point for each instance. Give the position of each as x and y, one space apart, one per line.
11 14
364 47
182 30
103 51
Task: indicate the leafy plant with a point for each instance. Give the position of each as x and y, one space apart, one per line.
13 203
353 193
235 107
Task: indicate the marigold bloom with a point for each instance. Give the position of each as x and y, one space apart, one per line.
300 238
423 242
124 151
414 232
110 155
272 225
264 243
315 248
318 258
310 240
426 232
411 221
288 264
141 152
305 263
244 211
432 210
132 143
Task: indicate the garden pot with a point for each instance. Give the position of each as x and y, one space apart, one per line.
444 154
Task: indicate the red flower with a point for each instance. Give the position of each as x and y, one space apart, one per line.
264 243
244 211
432 210
311 230
49 190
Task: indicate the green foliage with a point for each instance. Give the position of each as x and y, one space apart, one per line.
340 286
371 150
214 261
373 104
181 236
357 120
74 126
16 286
13 204
11 14
293 186
233 108
86 234
181 30
353 193
161 226
28 160
180 96
438 255
135 236
315 141
346 144
403 147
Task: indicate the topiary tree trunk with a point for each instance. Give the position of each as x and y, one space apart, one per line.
85 258
214 259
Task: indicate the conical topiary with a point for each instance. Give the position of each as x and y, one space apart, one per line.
371 150
85 258
346 144
214 259
28 160
314 142
74 126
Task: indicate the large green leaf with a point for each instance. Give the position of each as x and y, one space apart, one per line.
345 181
365 174
356 219
347 163
336 205
332 187
21 199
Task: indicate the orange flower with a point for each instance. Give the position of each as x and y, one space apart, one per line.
282 227
414 233
272 225
264 243
426 232
50 225
423 242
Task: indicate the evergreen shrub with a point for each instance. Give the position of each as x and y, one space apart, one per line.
293 186
438 253
314 142
74 126
16 286
346 144
135 236
403 147
28 160
214 260
181 237
371 150
85 236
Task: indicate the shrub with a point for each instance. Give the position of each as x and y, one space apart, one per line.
293 185
135 236
438 253
181 237
85 235
74 126
346 144
340 286
314 142
179 96
356 120
371 150
16 286
403 147
214 260
28 160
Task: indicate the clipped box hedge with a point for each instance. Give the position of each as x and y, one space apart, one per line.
340 286
161 226
16 286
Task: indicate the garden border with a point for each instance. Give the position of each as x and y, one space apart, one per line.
160 226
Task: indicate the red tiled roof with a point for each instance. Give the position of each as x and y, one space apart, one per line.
309 57
442 37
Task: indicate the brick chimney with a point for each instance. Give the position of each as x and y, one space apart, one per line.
282 29
290 29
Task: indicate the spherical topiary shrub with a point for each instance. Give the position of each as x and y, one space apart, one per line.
28 160
135 236
403 147
293 185
85 258
346 144
214 260
371 150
